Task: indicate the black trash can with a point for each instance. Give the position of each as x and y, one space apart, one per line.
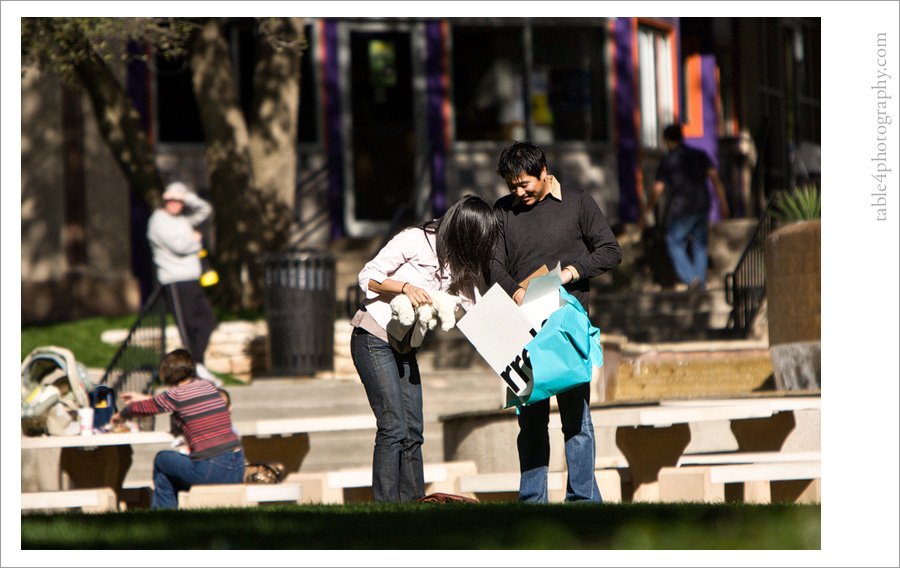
299 299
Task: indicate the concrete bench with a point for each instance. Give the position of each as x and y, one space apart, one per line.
649 436
505 486
653 437
762 482
355 485
287 440
88 500
290 426
729 458
239 495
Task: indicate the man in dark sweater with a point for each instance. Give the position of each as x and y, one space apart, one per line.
544 223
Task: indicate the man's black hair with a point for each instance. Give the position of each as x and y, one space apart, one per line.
521 157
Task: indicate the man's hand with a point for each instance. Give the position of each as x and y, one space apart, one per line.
518 295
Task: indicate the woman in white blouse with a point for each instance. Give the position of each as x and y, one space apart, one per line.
450 254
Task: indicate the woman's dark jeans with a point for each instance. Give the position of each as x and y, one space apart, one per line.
394 389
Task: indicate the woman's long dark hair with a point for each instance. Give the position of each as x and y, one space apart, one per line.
466 236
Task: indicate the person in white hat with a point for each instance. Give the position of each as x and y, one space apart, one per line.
175 242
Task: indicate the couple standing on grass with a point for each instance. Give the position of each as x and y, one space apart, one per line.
541 222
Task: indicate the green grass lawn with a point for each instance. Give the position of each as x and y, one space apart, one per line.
484 526
82 338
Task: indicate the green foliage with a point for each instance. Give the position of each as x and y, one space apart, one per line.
484 526
58 45
803 203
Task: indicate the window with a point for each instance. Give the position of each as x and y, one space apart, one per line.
728 117
308 127
566 90
656 78
808 72
487 82
177 114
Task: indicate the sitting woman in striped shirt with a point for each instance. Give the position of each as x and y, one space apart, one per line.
216 456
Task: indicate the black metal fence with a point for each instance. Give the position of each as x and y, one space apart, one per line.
135 366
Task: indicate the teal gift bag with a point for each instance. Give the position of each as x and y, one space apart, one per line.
562 354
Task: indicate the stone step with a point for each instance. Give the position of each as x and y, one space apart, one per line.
663 316
645 327
660 302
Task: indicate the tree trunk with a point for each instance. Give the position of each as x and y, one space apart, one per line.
121 128
273 130
252 170
238 206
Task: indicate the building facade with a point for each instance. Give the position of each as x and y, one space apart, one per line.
400 117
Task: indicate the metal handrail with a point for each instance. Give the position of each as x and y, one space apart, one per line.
745 286
135 366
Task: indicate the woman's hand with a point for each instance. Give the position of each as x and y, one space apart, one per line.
116 419
417 296
129 397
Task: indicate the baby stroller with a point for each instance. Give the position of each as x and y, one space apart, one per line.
54 387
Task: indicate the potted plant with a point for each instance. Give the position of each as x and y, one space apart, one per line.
793 289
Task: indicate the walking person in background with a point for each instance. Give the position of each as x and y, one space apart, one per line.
684 171
450 254
175 243
543 223
201 413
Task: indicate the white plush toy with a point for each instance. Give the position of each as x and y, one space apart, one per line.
442 307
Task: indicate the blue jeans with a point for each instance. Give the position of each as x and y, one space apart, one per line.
394 389
693 267
174 472
534 447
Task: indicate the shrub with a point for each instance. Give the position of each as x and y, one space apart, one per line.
803 203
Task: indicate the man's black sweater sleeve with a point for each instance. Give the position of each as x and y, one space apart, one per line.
606 253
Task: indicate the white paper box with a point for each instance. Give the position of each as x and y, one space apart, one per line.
542 297
500 330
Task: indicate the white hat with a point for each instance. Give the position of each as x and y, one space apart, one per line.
175 191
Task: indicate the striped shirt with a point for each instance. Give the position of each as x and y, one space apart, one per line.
199 411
